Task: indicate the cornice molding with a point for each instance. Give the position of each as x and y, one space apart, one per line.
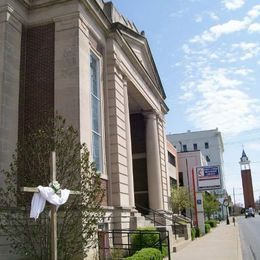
35 4
7 13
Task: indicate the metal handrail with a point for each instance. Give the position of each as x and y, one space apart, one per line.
154 214
173 218
113 236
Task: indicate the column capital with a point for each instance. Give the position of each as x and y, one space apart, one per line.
151 114
124 79
8 15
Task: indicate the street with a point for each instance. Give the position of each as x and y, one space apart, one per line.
249 229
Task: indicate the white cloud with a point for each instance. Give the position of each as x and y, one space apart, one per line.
186 49
245 45
233 4
218 30
254 12
187 96
253 146
249 49
231 26
198 18
177 14
220 101
201 17
230 110
213 16
243 71
254 27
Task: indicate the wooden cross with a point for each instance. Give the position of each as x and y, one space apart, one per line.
53 207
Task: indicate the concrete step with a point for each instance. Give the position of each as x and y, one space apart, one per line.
180 244
141 220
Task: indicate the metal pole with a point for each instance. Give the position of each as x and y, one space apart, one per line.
195 197
53 211
188 179
234 198
227 215
169 249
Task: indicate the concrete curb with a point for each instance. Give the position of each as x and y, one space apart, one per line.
239 249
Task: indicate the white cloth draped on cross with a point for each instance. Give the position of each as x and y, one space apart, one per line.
49 194
55 196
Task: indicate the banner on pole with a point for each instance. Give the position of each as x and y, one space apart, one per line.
208 178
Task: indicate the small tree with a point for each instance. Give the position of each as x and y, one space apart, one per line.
77 219
180 199
210 204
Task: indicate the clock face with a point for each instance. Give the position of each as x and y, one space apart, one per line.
225 203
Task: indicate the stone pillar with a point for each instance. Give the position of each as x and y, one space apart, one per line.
10 51
84 86
153 162
117 131
66 88
129 150
200 212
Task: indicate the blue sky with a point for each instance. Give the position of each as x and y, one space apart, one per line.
208 57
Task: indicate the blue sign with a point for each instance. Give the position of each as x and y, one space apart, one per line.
208 178
208 172
199 201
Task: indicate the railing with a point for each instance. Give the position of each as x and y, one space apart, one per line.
121 240
178 227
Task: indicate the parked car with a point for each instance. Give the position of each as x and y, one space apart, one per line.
250 212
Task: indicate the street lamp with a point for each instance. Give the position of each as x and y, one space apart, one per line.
226 204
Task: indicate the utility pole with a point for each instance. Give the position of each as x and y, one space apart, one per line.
188 179
234 199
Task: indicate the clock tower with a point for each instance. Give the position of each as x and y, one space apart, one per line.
247 181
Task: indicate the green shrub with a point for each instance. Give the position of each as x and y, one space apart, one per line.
198 232
164 250
117 253
212 223
193 233
147 254
207 228
142 240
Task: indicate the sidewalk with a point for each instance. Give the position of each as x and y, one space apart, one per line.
222 243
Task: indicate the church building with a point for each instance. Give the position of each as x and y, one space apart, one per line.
90 64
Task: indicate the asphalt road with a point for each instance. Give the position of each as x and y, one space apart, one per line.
249 229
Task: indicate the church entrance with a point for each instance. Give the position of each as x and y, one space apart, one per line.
138 135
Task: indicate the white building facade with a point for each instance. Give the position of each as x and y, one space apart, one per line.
86 61
208 142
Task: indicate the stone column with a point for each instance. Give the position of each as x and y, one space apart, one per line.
10 51
153 162
129 150
66 90
117 130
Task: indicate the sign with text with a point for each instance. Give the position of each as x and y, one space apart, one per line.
208 178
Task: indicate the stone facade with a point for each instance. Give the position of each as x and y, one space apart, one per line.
45 49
